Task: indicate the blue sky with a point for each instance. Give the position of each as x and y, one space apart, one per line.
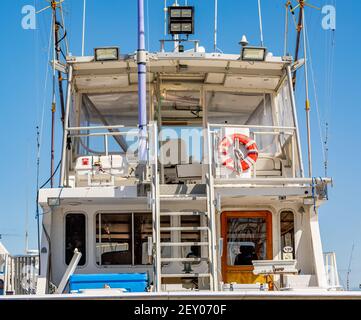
23 59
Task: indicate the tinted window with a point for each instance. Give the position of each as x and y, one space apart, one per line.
75 237
287 235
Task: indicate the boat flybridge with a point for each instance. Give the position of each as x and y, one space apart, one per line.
219 202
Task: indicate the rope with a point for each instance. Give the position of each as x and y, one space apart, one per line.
45 89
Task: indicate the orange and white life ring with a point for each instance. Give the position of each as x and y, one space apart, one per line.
231 155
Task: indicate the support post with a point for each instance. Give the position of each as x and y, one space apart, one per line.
295 118
66 127
317 249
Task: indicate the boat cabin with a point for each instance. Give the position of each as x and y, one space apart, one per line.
222 202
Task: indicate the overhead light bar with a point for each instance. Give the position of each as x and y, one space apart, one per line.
181 20
254 54
106 54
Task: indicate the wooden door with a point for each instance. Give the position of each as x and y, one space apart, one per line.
247 236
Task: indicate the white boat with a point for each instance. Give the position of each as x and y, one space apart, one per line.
182 176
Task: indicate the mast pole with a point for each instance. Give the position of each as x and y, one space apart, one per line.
308 105
142 90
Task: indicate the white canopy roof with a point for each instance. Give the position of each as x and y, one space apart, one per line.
188 68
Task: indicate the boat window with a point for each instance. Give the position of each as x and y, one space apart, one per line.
246 109
122 239
75 237
142 231
246 240
287 235
113 109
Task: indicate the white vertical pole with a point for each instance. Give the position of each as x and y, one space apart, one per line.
83 33
310 173
260 21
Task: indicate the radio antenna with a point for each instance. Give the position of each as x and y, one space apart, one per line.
215 24
260 22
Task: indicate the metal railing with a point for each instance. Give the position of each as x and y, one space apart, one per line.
20 274
331 270
111 132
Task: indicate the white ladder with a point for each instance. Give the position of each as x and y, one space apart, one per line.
208 227
176 228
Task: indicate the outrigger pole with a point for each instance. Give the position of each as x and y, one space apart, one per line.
307 105
53 105
56 57
142 83
301 27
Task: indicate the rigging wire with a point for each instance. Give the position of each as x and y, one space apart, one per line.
37 189
45 89
315 92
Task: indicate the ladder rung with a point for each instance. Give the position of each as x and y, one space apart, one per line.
186 275
184 213
184 259
184 229
183 244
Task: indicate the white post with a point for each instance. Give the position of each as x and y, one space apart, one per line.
310 174
317 249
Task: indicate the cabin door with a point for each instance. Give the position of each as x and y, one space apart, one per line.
247 236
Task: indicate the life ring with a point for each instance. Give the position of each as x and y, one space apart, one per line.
237 161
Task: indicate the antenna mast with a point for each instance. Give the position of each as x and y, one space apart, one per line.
260 22
215 24
165 17
83 33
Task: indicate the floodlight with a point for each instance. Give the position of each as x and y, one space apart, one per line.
106 54
181 20
254 54
53 202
